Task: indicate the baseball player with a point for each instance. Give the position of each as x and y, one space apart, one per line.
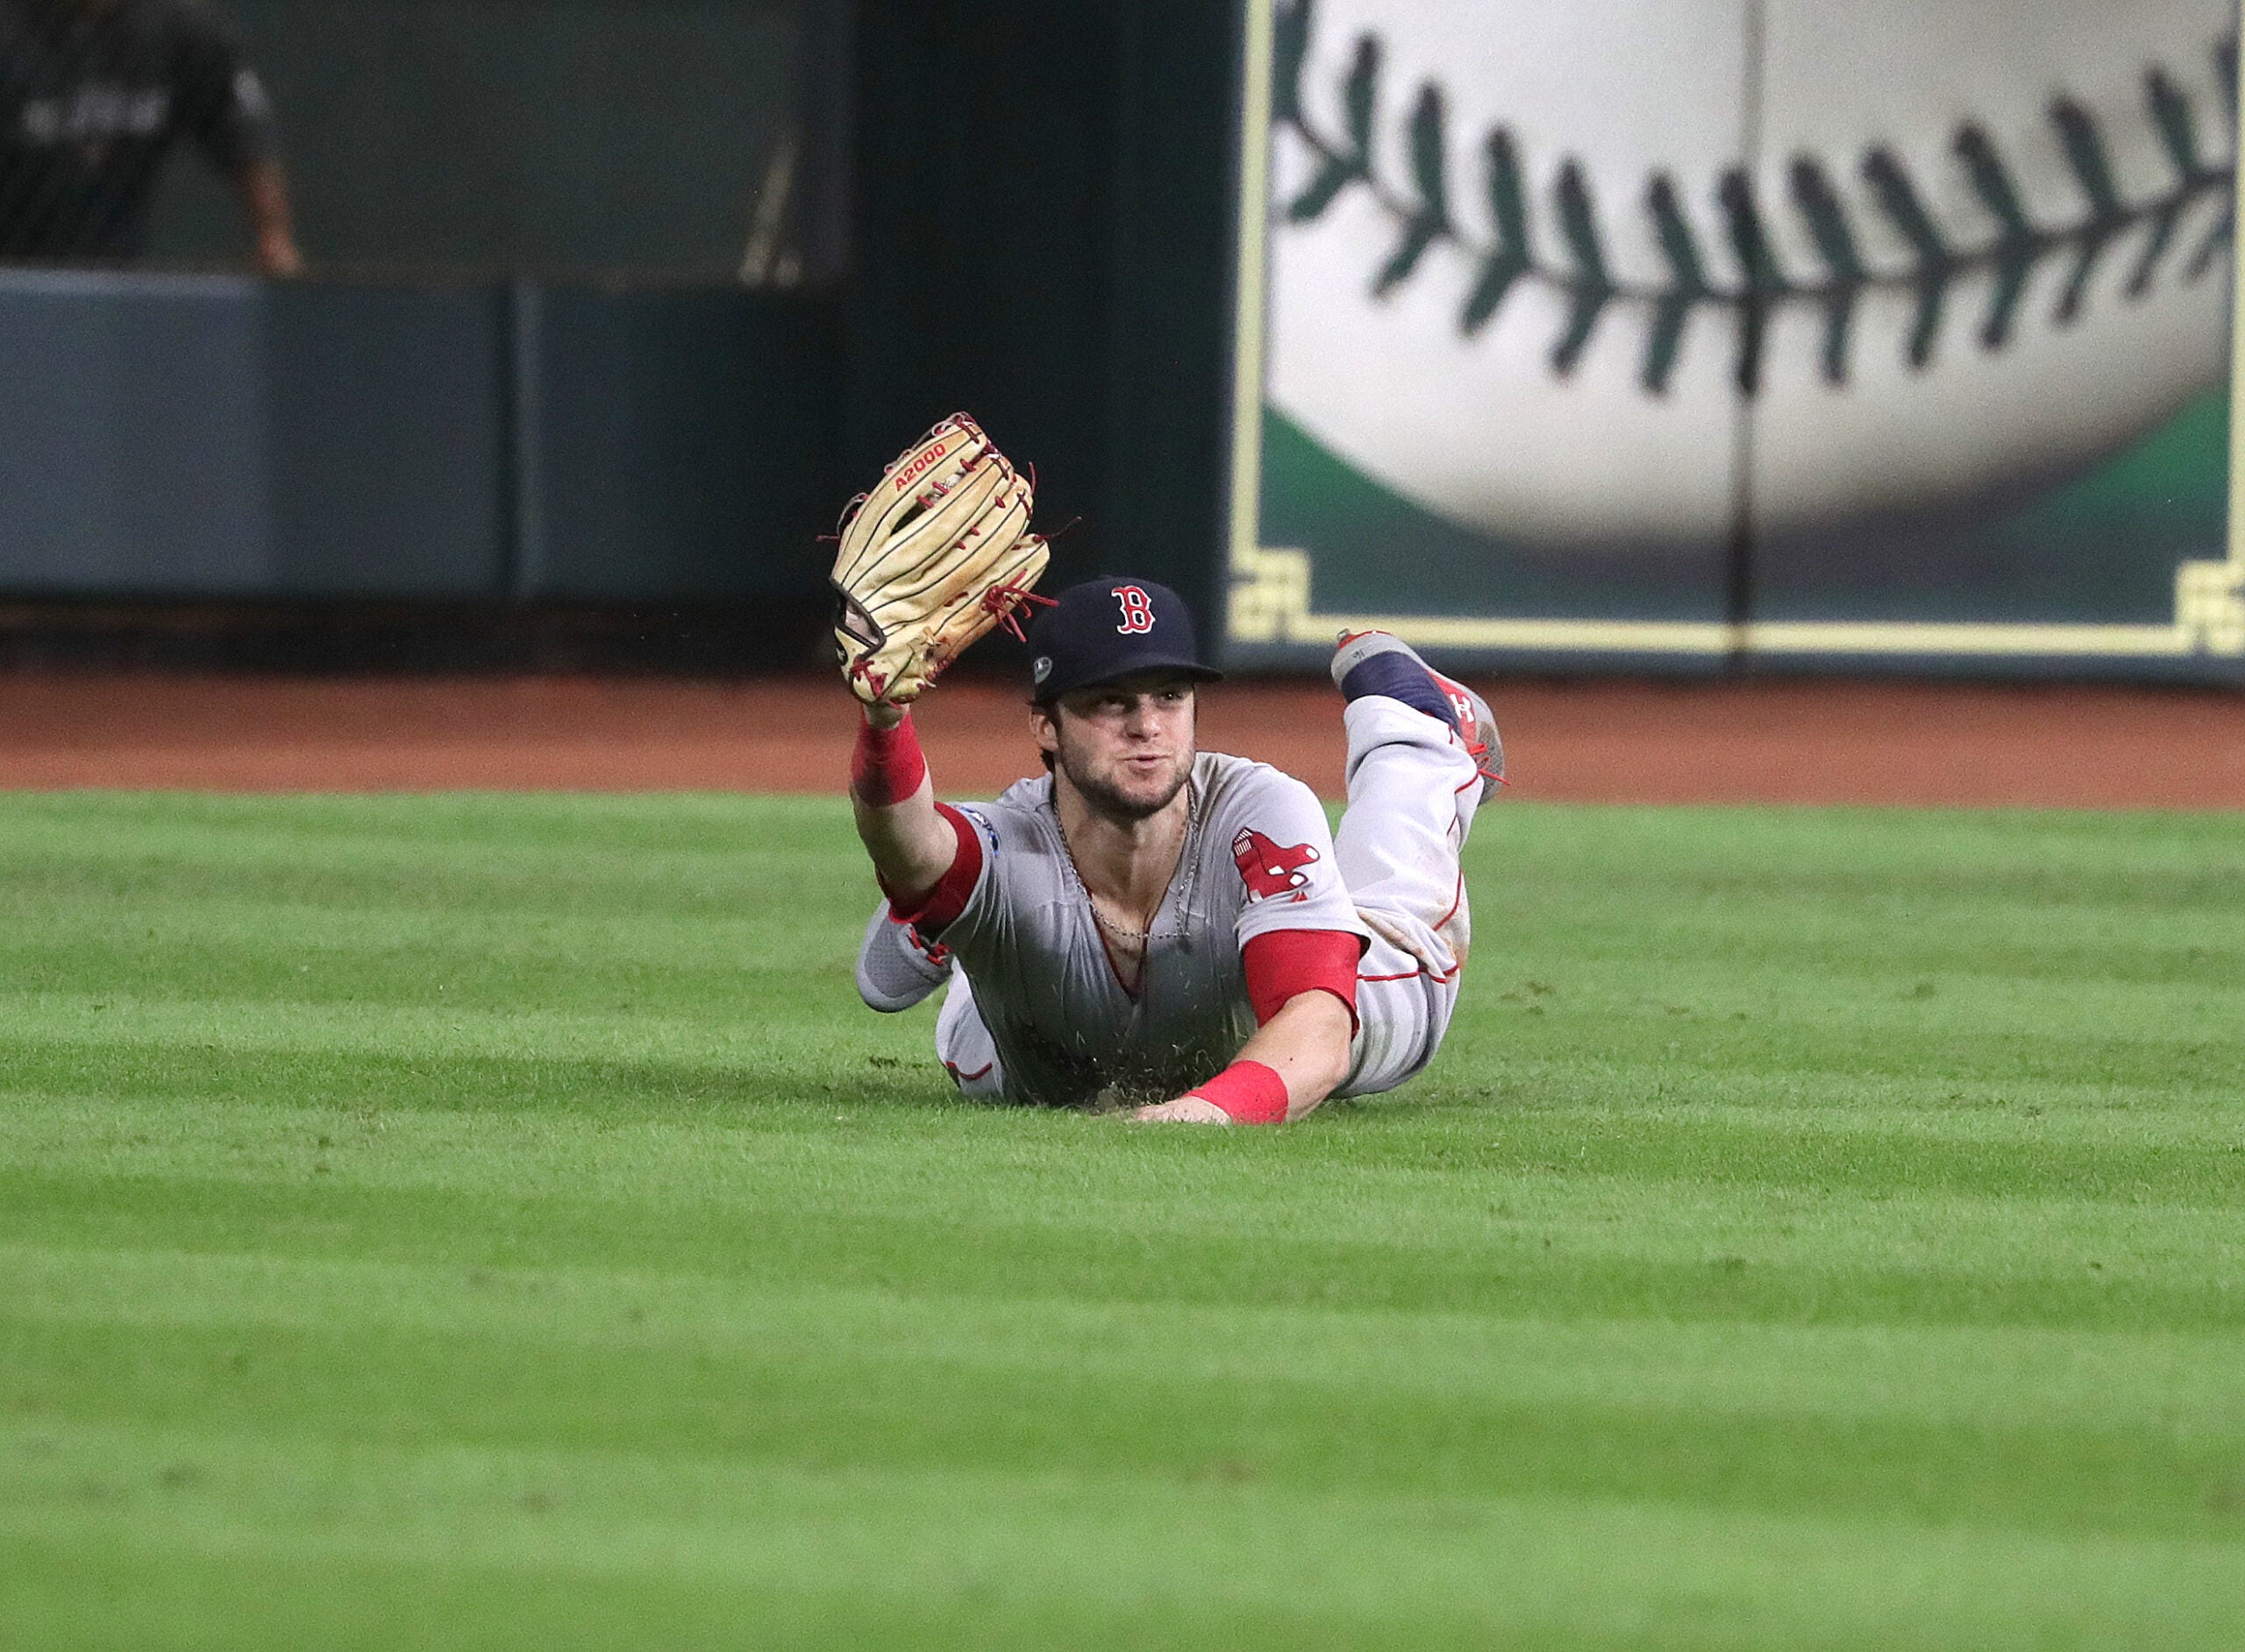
1148 920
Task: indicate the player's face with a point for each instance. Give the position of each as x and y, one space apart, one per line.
1126 746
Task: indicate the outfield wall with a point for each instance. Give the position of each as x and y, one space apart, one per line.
1326 315
218 437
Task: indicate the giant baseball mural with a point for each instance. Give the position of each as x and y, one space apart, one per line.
1604 329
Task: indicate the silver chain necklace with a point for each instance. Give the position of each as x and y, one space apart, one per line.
1122 932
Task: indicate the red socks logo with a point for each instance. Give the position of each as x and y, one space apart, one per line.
1271 869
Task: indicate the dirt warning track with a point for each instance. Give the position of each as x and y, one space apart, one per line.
1795 741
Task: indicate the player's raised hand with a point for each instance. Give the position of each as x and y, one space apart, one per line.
935 555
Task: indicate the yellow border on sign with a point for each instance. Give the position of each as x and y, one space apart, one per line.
1270 592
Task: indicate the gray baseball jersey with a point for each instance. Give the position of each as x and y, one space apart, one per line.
1257 858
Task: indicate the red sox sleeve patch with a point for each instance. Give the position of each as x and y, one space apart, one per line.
1271 870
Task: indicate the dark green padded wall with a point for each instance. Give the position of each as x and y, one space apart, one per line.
677 444
525 134
1042 235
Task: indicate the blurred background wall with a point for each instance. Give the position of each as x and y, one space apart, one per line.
614 302
539 135
611 304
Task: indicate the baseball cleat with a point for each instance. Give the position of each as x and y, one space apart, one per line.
1380 663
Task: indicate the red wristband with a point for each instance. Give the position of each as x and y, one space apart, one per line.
1250 1092
887 766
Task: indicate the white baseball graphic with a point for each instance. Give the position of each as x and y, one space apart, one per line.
1533 263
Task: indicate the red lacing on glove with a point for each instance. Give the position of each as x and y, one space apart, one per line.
1006 601
863 670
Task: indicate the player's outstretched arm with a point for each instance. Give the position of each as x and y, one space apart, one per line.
1307 1044
912 843
1302 984
1304 1047
938 553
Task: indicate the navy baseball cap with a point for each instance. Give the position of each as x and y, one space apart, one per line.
1108 628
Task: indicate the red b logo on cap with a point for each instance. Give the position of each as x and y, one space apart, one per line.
1138 611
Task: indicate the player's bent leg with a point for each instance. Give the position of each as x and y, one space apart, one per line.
1403 1012
1413 792
964 1045
1379 663
1423 756
896 969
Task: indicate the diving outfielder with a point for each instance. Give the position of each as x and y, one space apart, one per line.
1147 920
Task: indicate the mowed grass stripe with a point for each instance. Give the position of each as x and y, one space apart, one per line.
1347 1568
2189 1385
2081 1113
967 1201
1845 1024
1824 1228
282 951
677 1111
1724 1260
902 1408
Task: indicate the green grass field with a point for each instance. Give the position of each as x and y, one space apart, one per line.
479 1221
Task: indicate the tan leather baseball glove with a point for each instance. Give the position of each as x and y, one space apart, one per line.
935 556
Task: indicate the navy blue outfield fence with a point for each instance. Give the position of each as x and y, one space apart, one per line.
218 438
